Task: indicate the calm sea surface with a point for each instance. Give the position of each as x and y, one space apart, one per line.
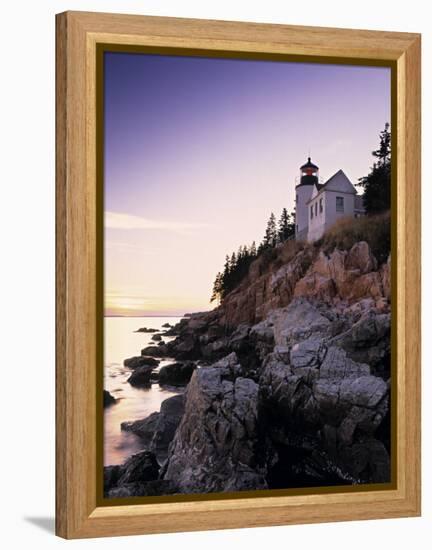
133 403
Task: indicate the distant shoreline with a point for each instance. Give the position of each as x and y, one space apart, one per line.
141 316
188 314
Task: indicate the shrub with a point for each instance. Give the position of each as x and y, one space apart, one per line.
375 230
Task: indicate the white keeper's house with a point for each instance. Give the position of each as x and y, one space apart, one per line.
320 205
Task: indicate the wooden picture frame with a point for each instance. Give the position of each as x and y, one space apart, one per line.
78 512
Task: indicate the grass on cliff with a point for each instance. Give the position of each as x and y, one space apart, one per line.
375 230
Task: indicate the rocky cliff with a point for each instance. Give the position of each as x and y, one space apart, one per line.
293 383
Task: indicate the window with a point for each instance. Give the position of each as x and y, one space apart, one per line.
339 204
311 212
316 209
321 206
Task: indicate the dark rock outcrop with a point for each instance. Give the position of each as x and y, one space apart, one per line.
214 448
140 361
311 387
138 476
294 384
144 428
147 330
176 374
108 399
157 430
141 376
156 351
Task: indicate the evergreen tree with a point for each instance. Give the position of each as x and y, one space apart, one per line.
270 237
217 288
286 227
383 153
237 265
377 184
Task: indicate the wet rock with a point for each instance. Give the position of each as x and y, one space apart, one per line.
156 351
156 337
139 467
147 330
138 476
108 399
216 350
171 413
176 374
141 376
111 476
158 429
144 428
140 361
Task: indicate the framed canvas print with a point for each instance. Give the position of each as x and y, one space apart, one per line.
238 274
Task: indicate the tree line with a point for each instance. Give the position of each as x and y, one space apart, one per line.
237 264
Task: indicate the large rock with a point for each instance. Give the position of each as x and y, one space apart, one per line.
156 351
297 322
314 389
141 376
138 476
360 258
140 361
368 340
214 448
157 430
171 413
176 374
144 428
139 467
347 275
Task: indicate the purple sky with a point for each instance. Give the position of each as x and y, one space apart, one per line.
198 152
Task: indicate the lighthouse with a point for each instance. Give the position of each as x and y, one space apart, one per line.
308 181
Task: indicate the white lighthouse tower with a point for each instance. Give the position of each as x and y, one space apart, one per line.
308 180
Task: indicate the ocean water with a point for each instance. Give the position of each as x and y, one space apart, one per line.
122 342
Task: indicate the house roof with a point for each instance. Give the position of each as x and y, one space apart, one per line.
338 182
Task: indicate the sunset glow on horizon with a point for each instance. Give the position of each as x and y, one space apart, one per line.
199 152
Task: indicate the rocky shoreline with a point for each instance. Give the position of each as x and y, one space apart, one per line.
287 383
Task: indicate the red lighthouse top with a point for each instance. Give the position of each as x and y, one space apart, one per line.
309 173
309 168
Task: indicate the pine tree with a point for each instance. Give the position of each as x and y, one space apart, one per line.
270 237
253 250
285 227
383 153
217 288
377 184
